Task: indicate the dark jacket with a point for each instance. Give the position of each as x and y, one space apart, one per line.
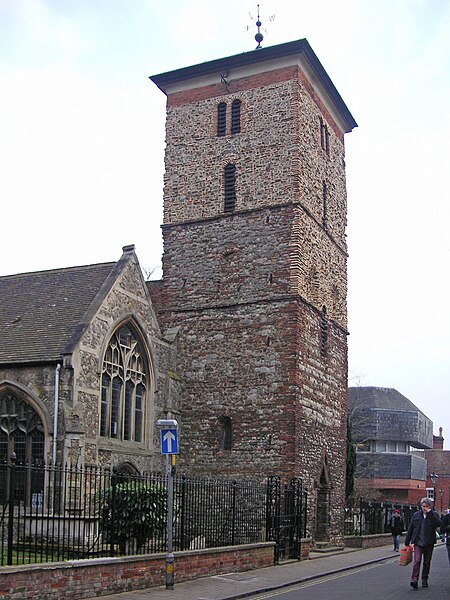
397 525
445 527
430 523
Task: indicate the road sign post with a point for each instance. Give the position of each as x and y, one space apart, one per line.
169 446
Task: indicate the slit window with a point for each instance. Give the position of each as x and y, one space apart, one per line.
324 204
324 137
236 116
221 119
230 188
225 433
323 332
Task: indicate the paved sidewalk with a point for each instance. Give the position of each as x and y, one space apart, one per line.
238 585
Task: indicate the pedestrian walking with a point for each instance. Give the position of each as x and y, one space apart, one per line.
397 528
445 530
422 534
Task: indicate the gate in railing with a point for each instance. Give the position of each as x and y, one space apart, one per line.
286 517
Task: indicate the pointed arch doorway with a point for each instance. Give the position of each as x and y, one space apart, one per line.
322 533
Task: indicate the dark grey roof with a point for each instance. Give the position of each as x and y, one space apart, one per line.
39 312
378 397
163 80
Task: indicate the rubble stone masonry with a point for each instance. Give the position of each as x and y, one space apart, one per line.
259 294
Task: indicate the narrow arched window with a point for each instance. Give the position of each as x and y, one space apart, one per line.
123 387
221 119
225 433
230 188
236 116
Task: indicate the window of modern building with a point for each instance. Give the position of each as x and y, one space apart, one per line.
123 387
365 446
225 433
381 446
221 119
230 188
236 116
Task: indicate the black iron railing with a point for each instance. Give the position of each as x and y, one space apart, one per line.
55 514
369 517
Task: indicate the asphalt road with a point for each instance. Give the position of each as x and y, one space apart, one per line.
372 582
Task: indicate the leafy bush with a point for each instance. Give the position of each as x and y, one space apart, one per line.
131 514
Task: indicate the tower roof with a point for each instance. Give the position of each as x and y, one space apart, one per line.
298 53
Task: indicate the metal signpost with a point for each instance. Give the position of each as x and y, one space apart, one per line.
169 446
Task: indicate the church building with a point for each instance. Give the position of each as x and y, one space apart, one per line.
244 340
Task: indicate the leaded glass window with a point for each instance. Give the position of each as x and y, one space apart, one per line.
21 433
123 388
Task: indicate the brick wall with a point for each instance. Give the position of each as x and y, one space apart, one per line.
100 577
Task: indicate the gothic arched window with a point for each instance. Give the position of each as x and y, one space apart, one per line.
21 433
123 388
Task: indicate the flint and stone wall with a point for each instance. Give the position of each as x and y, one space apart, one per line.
247 288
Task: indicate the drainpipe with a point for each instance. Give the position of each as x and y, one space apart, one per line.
55 413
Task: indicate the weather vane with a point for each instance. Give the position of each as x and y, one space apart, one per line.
259 36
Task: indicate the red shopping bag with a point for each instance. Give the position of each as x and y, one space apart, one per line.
406 555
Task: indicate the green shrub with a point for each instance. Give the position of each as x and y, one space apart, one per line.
132 514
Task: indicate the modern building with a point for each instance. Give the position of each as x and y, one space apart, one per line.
390 435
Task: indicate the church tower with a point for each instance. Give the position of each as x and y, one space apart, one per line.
255 269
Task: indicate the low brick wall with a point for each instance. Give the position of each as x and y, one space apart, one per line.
98 577
368 541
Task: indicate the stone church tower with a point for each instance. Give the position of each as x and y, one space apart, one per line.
255 269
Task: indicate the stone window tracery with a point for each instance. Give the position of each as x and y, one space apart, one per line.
123 387
22 437
21 431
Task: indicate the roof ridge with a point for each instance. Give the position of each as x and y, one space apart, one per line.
59 270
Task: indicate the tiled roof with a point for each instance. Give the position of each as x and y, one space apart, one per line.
40 311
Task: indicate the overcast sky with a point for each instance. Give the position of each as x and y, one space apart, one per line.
82 149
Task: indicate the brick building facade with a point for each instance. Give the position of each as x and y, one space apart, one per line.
438 473
254 264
